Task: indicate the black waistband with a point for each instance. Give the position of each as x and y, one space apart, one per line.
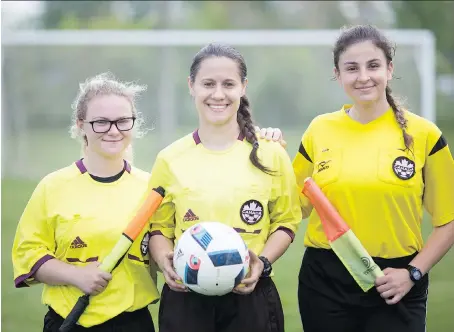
329 255
323 272
122 318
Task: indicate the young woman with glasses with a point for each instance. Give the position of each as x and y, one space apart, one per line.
76 214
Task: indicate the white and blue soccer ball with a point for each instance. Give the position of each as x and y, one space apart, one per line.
211 258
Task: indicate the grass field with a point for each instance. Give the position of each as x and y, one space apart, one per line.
22 309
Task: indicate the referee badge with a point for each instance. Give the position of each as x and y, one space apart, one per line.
404 168
144 244
251 212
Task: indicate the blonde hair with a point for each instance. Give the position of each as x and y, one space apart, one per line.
105 84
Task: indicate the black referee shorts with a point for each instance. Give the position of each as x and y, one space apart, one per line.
136 321
260 311
330 299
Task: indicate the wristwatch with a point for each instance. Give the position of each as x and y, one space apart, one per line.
267 268
415 274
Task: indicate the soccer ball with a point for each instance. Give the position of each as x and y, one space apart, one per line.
211 258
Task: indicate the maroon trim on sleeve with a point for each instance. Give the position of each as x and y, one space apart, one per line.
160 233
20 281
288 231
156 233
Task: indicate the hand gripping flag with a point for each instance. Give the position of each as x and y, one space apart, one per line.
344 242
130 233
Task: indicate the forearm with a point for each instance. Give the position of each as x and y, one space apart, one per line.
56 273
159 247
276 245
437 245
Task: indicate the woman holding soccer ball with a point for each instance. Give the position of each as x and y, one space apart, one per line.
218 173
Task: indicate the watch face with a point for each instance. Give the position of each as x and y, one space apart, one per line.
416 274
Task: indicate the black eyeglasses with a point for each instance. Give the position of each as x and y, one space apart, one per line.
103 126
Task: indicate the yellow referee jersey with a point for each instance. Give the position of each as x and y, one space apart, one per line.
378 188
78 220
224 186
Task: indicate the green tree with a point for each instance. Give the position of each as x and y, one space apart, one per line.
437 16
56 11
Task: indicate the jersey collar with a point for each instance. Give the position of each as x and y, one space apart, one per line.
80 165
197 141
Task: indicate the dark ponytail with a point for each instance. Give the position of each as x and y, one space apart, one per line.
400 118
243 115
247 130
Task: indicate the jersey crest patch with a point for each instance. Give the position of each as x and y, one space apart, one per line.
144 244
251 212
404 168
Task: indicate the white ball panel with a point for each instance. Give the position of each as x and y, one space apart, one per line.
192 258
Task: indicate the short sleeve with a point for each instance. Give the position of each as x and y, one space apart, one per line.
439 178
34 241
303 167
284 205
163 220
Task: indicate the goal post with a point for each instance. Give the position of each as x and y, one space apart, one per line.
289 72
422 39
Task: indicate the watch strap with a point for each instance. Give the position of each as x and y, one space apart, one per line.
267 268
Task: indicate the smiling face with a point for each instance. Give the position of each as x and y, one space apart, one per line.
113 143
217 90
364 73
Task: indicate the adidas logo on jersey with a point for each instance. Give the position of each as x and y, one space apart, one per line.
78 243
190 216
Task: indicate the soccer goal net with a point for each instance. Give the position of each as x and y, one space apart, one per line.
290 74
